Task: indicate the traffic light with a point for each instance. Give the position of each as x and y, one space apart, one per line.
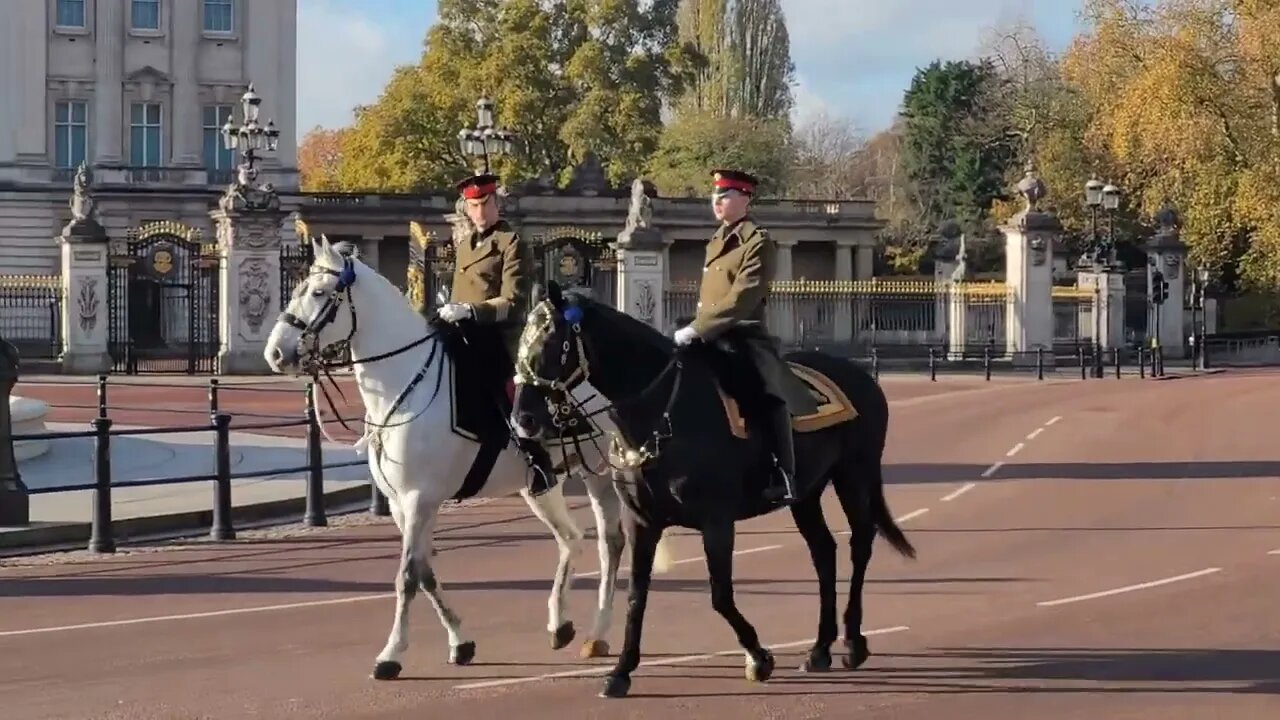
1159 288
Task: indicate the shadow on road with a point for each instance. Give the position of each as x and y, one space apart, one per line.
1020 671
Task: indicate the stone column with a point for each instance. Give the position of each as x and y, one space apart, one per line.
1107 316
187 113
1029 239
783 268
1166 259
842 318
85 312
249 226
951 310
108 67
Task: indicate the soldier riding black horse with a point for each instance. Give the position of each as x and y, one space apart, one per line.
687 462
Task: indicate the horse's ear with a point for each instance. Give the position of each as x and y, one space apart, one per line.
554 295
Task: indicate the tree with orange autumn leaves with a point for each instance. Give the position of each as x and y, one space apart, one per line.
319 159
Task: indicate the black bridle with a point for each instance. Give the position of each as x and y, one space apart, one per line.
319 359
541 322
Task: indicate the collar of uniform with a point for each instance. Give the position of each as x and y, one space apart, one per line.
728 230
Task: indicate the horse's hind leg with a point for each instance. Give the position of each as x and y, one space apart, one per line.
807 514
717 544
460 652
853 483
553 511
610 541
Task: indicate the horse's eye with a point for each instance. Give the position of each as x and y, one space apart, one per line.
319 293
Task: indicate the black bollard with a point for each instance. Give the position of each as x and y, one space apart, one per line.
315 514
221 528
101 537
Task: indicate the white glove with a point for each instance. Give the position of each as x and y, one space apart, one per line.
453 312
685 335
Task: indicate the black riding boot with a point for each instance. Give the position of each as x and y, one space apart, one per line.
544 474
783 487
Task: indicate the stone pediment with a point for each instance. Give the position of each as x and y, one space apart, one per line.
148 74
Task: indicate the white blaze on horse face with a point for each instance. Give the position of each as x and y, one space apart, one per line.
284 351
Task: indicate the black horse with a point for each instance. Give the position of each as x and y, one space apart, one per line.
696 468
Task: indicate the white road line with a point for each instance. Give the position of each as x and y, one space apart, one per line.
1015 450
1034 433
746 551
604 669
957 493
194 616
1053 420
992 470
1274 552
267 608
1130 588
912 515
909 516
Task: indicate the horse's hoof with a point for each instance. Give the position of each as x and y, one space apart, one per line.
386 670
563 636
760 671
594 649
818 661
857 655
616 686
463 654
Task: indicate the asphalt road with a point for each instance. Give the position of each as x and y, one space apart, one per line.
1087 550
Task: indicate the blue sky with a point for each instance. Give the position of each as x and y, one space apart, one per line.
853 58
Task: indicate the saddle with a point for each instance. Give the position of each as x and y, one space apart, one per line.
740 386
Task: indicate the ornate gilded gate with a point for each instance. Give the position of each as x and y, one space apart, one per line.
164 313
573 257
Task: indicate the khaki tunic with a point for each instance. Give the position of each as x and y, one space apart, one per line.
493 272
739 264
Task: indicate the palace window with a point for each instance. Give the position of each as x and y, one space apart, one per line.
218 16
70 133
216 156
70 13
145 135
146 15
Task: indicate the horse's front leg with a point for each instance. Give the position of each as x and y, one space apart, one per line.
413 525
644 543
717 544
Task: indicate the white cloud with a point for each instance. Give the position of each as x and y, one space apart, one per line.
344 60
808 102
859 55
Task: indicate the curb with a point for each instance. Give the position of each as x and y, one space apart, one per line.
51 536
1191 374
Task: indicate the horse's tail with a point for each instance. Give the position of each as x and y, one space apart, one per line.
883 517
662 561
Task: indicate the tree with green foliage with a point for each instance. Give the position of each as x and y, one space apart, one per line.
568 76
696 143
956 148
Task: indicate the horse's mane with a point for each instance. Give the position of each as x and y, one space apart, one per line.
634 331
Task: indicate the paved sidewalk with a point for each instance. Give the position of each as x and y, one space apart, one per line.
64 516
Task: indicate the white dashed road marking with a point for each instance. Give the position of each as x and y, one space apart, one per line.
957 493
1130 588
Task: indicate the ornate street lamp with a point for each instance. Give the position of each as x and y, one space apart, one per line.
1093 199
485 141
250 137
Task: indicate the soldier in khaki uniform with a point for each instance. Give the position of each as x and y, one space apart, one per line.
736 272
492 279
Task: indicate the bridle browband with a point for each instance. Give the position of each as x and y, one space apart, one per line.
540 325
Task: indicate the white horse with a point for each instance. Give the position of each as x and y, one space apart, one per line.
415 459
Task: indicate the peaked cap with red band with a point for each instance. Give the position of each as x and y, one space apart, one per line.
478 186
735 180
